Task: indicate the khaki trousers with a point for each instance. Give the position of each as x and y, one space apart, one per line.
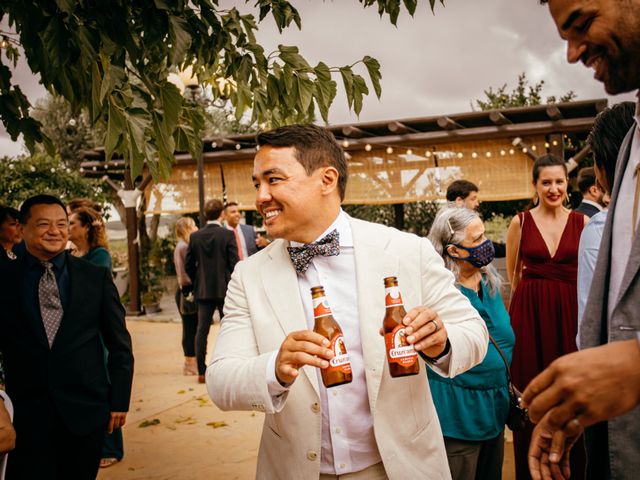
374 472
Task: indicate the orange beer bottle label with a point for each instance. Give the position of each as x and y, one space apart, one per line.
339 370
401 356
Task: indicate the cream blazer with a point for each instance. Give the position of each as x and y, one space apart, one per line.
263 305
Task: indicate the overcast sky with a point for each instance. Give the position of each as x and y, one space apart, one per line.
431 64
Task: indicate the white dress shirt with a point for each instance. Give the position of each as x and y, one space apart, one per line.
621 238
348 441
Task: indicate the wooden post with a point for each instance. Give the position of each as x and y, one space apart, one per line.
398 210
200 165
129 196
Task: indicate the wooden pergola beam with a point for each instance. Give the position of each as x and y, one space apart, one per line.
447 123
354 132
498 118
222 142
554 113
399 128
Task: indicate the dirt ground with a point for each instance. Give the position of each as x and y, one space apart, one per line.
173 429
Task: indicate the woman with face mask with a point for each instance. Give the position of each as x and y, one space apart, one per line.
542 263
473 407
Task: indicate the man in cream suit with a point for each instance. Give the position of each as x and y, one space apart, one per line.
267 357
599 386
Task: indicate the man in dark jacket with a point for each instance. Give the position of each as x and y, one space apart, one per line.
210 260
58 314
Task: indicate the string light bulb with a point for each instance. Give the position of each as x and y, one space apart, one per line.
409 151
367 147
511 151
488 154
503 153
534 148
546 144
345 144
555 143
427 153
524 150
389 150
460 155
474 155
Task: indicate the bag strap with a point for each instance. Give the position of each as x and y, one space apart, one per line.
521 215
504 359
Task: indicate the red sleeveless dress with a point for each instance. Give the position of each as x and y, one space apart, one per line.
544 317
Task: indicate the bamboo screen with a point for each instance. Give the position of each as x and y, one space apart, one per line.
409 174
180 193
378 176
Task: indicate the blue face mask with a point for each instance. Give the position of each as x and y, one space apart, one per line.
479 256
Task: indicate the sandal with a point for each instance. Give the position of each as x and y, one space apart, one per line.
108 462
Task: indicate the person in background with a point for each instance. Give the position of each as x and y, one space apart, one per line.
592 195
542 263
463 193
375 427
245 234
211 257
473 407
188 309
609 129
7 432
76 203
59 313
87 232
10 234
601 382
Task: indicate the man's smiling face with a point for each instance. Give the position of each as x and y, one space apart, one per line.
603 35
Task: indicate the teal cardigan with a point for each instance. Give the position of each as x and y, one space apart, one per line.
99 256
473 406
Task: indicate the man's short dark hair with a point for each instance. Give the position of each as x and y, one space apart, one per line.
29 203
212 209
586 179
8 213
606 136
231 204
460 188
315 147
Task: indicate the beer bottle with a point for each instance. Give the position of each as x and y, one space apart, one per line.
339 370
402 357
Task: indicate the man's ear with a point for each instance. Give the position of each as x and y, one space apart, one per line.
595 190
329 179
459 201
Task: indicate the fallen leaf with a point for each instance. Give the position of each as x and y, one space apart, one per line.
186 420
180 392
148 423
253 414
217 424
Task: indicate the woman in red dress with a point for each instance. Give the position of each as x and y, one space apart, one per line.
542 263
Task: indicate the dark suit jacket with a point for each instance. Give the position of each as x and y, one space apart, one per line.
211 257
72 377
621 434
249 238
587 209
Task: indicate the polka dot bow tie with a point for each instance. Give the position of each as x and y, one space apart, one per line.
327 246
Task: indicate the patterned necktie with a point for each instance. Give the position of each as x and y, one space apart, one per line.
50 304
328 246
